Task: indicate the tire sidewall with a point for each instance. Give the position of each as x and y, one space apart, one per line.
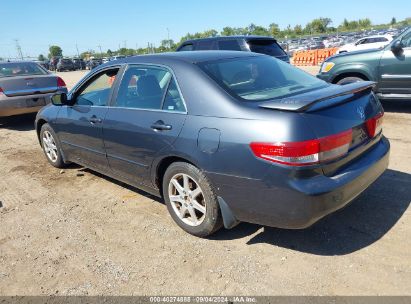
212 221
348 80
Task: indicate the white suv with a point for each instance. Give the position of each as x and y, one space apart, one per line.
365 43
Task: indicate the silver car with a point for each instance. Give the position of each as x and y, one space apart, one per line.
25 87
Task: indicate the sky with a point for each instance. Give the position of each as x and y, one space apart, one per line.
113 23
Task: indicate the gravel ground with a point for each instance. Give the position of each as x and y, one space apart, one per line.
75 232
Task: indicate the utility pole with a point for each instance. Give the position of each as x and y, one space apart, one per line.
125 44
18 47
78 54
101 52
168 38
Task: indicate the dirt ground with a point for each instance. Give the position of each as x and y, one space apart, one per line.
75 232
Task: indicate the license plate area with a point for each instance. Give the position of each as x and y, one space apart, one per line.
35 102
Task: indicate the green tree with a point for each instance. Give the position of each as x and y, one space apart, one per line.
109 53
319 25
55 50
298 30
209 33
364 23
228 31
274 30
393 21
167 44
41 57
258 30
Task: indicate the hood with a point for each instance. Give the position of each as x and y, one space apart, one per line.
354 53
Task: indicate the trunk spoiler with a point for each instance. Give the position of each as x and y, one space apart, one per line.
304 101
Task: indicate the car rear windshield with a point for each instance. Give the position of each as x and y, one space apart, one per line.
12 69
260 78
267 47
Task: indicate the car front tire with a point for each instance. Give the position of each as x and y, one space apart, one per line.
348 80
51 146
191 200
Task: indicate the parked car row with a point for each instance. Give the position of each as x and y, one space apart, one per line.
61 64
345 41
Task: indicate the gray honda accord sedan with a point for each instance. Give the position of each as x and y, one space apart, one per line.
223 137
25 87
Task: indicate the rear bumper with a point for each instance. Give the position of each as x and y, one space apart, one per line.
300 202
17 105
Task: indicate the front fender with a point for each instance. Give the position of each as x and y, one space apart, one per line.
48 114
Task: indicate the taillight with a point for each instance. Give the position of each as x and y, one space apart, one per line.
374 125
304 153
1 90
60 82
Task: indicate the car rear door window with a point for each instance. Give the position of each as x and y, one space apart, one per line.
205 45
97 91
382 39
406 40
229 45
152 88
186 48
11 69
267 47
173 100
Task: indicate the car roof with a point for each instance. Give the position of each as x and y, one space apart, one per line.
246 37
18 61
376 36
189 57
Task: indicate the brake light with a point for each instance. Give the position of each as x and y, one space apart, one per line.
1 90
374 125
60 82
304 153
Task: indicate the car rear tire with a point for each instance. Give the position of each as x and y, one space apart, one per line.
348 80
51 146
190 200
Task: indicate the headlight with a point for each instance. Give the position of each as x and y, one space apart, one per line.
327 66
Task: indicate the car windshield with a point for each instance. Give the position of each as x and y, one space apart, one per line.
12 69
267 47
260 78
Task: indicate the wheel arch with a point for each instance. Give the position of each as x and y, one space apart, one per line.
39 124
361 75
162 165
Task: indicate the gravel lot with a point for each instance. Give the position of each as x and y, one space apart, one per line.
75 232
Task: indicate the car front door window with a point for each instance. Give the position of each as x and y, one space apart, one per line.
97 92
406 40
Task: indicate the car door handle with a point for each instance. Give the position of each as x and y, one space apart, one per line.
94 119
160 126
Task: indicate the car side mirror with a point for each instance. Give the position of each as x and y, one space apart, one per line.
59 99
397 46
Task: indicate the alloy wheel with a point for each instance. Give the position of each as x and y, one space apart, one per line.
49 146
187 199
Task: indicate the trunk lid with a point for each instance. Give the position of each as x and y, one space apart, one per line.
28 85
336 109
